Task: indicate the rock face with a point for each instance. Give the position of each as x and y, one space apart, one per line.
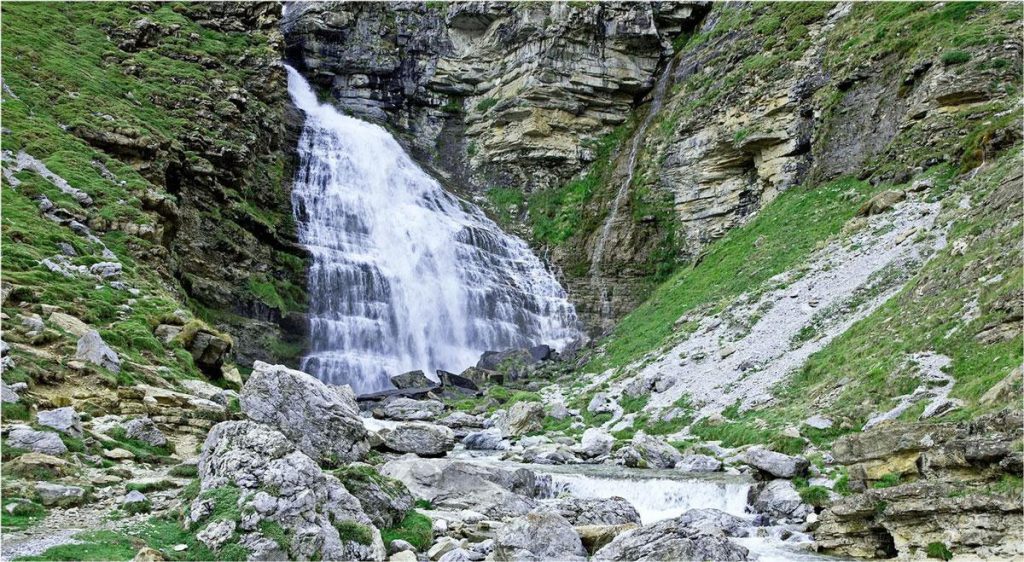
671 539
542 535
384 500
495 492
256 473
322 422
947 491
776 464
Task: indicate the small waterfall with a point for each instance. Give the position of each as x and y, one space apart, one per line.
405 275
657 498
657 98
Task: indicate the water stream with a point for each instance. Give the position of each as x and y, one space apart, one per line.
405 275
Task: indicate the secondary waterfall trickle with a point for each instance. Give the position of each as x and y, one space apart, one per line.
405 275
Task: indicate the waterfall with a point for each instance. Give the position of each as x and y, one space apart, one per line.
403 274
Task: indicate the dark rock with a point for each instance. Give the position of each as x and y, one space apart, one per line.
413 379
457 381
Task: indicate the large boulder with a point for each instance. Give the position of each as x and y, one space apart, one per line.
594 511
486 440
407 409
46 442
145 430
255 478
776 464
646 451
60 495
496 492
458 382
65 420
385 500
779 499
670 539
92 349
413 379
462 423
714 521
209 349
543 535
521 418
323 422
698 463
595 443
423 439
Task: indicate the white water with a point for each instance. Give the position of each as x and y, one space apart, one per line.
405 275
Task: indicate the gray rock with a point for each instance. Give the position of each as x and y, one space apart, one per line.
559 411
670 539
8 394
543 535
93 349
486 440
601 403
413 379
521 418
133 497
106 269
776 464
281 484
779 499
423 439
322 422
818 422
443 546
412 410
216 534
32 323
166 332
698 463
207 391
144 430
66 420
462 423
652 452
398 545
594 511
24 437
384 500
595 443
713 521
59 495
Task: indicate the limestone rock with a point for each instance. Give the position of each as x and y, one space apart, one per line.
486 440
144 430
595 537
779 499
147 554
408 409
386 501
69 323
65 420
24 437
594 511
323 423
60 495
881 203
698 463
595 442
93 349
650 452
8 394
776 464
522 418
134 499
423 439
413 379
540 535
818 422
670 539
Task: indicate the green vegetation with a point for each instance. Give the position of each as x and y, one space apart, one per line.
939 551
144 452
815 495
153 486
486 104
955 57
24 514
355 532
506 203
138 507
424 504
98 546
15 411
415 528
887 481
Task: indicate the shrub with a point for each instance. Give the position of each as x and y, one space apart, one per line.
815 495
955 57
486 104
938 550
887 481
355 532
415 528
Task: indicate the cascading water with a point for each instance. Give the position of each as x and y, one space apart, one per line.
405 275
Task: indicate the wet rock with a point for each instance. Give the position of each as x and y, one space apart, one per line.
521 418
595 537
93 349
411 410
144 430
65 420
776 464
698 463
670 539
324 423
423 439
595 443
594 511
24 437
60 495
779 499
542 535
413 379
451 380
486 440
646 451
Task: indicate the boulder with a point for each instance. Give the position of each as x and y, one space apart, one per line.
106 269
698 463
594 511
486 440
776 464
65 420
93 349
35 465
216 534
713 521
323 423
134 500
209 350
521 418
443 546
403 556
59 495
413 379
559 411
595 443
144 430
411 410
595 537
542 535
483 377
462 423
651 452
459 382
385 500
207 391
147 554
166 332
779 499
818 422
505 361
423 439
670 539
46 442
881 203
7 394
601 403
456 485
253 475
69 324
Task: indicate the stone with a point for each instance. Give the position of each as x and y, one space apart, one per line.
32 323
482 377
384 500
147 554
1003 390
881 202
460 555
106 269
559 411
7 394
65 420
60 495
118 454
779 499
207 391
398 545
594 537
403 556
134 498
144 430
776 464
439 527
166 332
209 350
698 463
594 511
818 422
413 379
93 349
451 380
324 423
408 409
443 546
652 452
456 485
522 418
423 439
595 442
46 442
486 440
462 421
542 535
715 522
69 324
216 534
232 375
601 403
37 463
670 539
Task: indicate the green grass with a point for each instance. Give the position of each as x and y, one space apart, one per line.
355 532
416 529
955 57
184 471
815 495
506 204
16 411
633 404
147 487
887 481
24 515
95 546
939 551
486 104
144 452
